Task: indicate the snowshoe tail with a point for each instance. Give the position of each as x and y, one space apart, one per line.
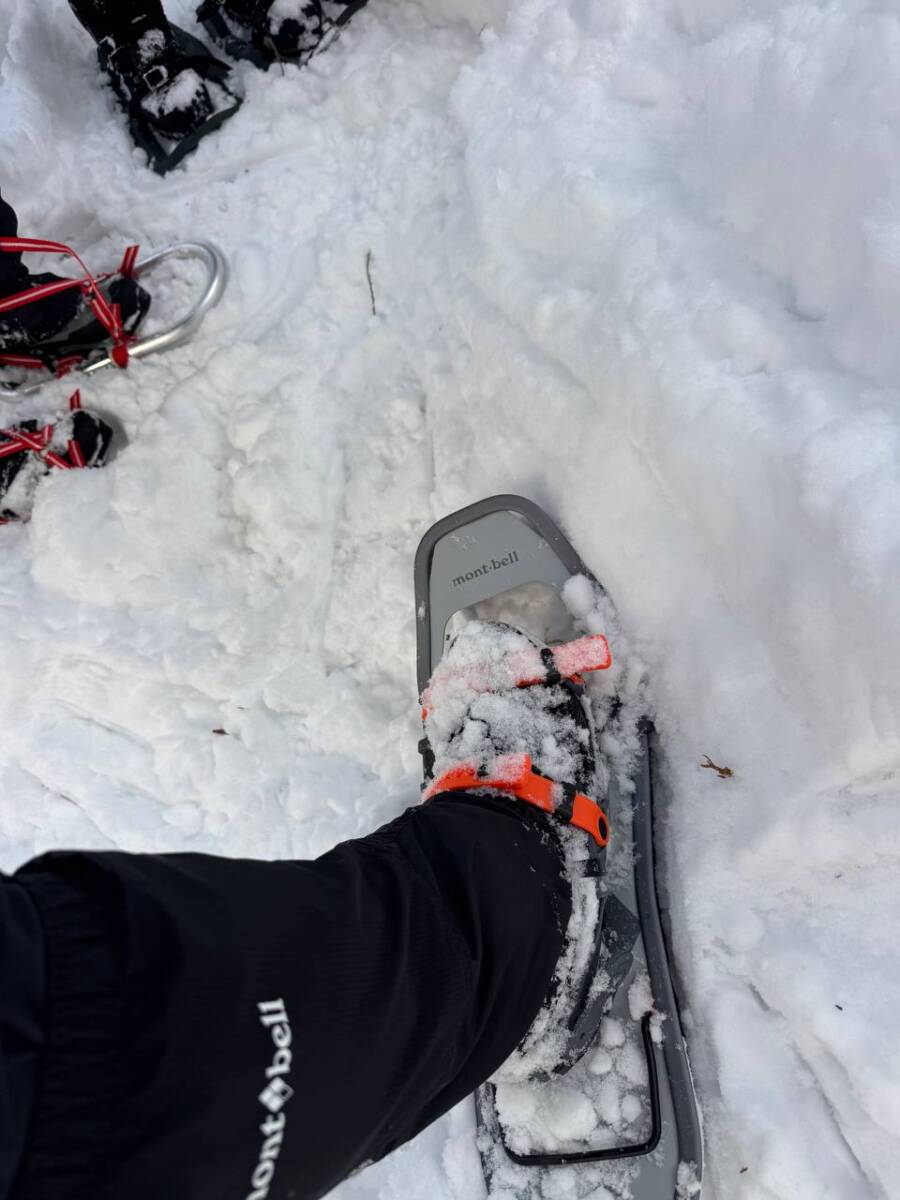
164 152
182 331
503 558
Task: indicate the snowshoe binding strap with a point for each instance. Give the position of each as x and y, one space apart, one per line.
14 441
87 445
515 775
109 315
547 666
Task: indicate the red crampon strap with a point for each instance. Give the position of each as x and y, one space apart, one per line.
109 315
514 774
129 261
37 442
32 362
569 660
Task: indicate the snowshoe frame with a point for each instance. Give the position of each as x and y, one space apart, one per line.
471 556
167 339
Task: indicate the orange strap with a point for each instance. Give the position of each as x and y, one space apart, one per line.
547 665
515 774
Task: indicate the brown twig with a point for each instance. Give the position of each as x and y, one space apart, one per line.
371 284
722 772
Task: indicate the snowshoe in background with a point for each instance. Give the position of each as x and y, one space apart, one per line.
56 324
51 323
172 89
269 31
30 450
615 1114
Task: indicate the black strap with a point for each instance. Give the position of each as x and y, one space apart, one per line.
553 675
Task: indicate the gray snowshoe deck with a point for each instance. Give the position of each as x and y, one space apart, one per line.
487 559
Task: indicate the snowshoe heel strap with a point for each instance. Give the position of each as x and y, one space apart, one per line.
515 775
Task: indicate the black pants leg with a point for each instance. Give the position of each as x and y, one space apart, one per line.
13 275
233 1030
22 1022
120 20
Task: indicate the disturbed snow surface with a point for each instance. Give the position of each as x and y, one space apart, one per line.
639 262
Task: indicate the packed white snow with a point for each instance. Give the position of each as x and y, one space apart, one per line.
637 262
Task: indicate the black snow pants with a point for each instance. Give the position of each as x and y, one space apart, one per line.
13 275
186 1027
24 326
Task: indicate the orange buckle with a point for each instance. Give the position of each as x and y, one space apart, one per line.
514 773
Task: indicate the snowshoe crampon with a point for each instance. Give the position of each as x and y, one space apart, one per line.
73 349
619 1111
142 90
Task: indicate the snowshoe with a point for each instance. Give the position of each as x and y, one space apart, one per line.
63 331
173 91
32 449
616 1110
248 29
98 325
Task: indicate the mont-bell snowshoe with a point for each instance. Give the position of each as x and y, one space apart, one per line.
265 32
32 450
598 1100
173 90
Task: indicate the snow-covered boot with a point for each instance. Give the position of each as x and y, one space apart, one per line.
173 90
53 322
268 31
505 713
26 329
32 449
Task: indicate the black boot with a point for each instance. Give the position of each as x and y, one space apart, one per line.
250 29
23 330
173 90
505 714
31 450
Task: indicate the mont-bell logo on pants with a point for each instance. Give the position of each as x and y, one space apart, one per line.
274 1096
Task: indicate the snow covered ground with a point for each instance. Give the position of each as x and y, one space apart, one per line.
638 261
